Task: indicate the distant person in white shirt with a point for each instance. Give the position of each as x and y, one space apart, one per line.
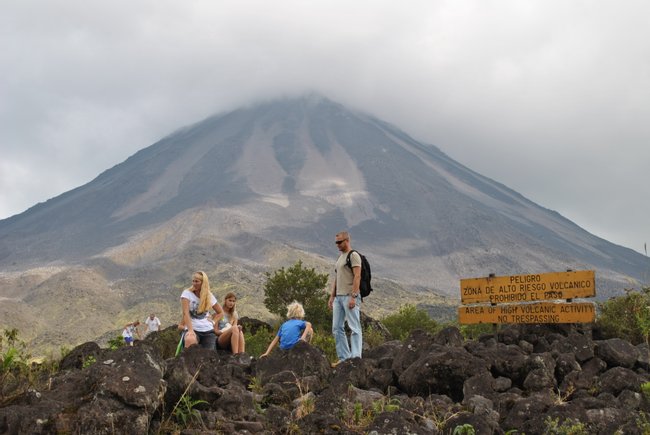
130 329
153 324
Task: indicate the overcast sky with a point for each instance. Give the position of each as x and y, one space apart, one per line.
551 98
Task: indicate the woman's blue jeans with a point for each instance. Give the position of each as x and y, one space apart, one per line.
206 339
341 314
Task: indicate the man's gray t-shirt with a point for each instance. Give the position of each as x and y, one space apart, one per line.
344 275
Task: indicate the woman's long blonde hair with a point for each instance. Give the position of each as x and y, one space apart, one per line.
206 295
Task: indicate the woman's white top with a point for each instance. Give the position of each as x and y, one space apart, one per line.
200 321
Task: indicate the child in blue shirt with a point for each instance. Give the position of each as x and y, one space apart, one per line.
293 330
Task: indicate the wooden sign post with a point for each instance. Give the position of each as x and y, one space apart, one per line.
514 299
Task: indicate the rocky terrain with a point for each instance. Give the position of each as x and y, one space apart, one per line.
526 378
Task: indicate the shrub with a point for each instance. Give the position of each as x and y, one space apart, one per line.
408 319
318 314
473 331
373 337
642 422
465 429
64 351
186 413
116 342
256 344
626 317
88 361
325 342
645 389
568 427
297 284
15 373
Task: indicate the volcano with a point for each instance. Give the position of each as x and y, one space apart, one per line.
294 172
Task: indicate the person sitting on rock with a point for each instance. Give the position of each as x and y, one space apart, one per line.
130 329
229 332
293 330
196 302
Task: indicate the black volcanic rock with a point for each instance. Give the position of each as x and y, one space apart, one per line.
133 390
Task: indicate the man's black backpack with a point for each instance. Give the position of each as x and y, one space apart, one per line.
364 286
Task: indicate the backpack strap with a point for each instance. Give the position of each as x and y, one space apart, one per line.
348 262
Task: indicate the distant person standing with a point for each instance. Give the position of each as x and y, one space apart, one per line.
130 329
153 324
345 300
196 302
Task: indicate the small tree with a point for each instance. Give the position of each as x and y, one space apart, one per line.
300 284
408 318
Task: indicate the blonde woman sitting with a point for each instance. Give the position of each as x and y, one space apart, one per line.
196 302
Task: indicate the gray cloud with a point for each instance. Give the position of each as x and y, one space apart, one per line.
548 97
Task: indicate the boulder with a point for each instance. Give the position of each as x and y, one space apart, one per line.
579 345
303 360
480 385
484 408
368 323
525 412
201 374
417 344
480 424
384 354
252 326
352 372
643 358
120 390
565 363
441 371
541 372
609 420
165 341
81 355
449 336
617 379
401 422
617 353
509 361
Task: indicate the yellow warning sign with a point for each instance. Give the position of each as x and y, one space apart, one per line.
543 312
528 288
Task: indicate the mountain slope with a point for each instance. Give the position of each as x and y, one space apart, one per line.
295 172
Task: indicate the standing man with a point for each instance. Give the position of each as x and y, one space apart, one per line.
345 301
153 324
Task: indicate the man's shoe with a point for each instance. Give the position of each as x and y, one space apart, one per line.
334 364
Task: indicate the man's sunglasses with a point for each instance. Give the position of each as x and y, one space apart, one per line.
338 242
